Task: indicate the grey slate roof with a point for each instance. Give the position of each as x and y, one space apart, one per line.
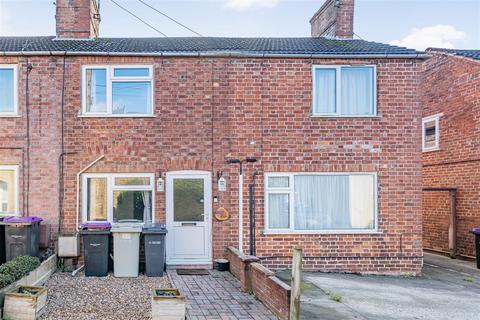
474 54
202 45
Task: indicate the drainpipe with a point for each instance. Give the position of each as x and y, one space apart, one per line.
78 186
240 197
240 209
251 189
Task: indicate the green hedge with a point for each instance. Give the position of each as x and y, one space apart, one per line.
17 268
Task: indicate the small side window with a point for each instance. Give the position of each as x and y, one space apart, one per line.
431 133
8 90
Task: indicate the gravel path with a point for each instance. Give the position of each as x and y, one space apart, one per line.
90 298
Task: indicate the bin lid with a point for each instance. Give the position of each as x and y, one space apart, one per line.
154 228
25 220
95 225
94 231
127 226
475 230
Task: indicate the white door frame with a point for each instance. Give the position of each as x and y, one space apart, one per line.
207 176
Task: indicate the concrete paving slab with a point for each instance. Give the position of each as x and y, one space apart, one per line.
448 289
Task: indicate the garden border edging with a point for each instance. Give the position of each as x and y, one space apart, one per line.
36 277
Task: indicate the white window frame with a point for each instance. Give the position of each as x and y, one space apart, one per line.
15 169
338 92
291 189
111 187
436 118
14 113
111 78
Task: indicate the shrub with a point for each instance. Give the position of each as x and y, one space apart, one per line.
17 268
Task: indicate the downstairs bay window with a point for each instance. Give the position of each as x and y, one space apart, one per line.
115 197
320 202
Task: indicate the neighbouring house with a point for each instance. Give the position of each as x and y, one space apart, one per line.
451 154
98 128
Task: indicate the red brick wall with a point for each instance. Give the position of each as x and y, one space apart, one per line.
73 19
270 290
36 151
436 220
209 109
450 86
262 282
334 19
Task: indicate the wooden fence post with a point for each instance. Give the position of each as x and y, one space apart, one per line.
295 285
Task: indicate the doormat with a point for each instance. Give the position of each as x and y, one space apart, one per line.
192 272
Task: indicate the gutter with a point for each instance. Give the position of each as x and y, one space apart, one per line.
215 54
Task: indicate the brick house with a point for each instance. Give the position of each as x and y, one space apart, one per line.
115 128
450 99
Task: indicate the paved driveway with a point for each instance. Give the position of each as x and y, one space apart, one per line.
448 289
217 296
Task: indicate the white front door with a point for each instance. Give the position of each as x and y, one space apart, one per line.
189 212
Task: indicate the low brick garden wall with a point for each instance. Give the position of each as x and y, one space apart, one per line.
262 282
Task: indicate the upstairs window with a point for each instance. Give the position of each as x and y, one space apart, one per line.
8 190
431 133
8 90
117 91
348 91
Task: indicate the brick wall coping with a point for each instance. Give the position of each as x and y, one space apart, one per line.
243 257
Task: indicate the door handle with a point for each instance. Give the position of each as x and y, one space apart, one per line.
189 224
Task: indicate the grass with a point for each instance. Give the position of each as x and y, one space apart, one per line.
337 297
469 280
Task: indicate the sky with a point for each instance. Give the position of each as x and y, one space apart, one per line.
415 24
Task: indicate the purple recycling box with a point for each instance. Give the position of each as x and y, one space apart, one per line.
475 230
95 225
22 219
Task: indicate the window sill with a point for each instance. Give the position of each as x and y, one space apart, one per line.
342 116
117 116
431 149
283 232
10 115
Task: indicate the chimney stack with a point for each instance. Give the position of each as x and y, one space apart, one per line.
77 19
334 19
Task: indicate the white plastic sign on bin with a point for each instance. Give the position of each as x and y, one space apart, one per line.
126 246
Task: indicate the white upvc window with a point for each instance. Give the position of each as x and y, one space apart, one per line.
344 91
117 91
114 197
305 202
431 133
8 190
8 90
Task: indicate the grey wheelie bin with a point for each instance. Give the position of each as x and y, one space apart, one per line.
95 248
126 248
22 235
154 238
476 232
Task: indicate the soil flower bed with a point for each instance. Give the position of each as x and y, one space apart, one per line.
89 298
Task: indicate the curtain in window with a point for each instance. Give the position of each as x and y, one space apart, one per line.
322 202
357 91
278 211
325 91
147 210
